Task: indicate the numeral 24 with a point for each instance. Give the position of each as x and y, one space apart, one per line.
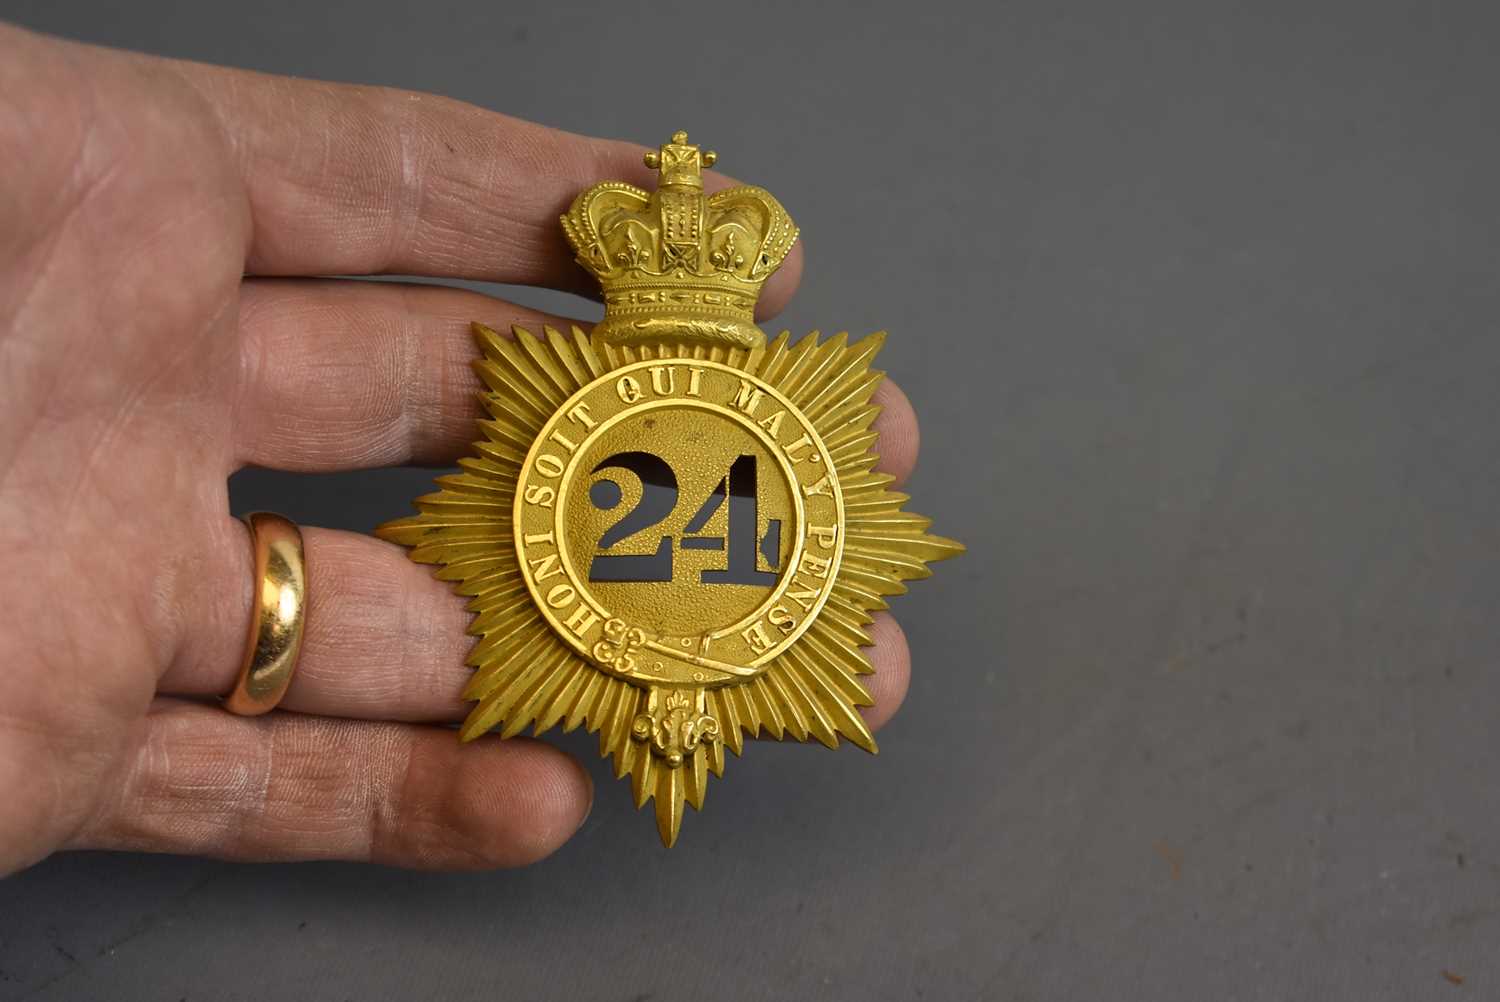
659 499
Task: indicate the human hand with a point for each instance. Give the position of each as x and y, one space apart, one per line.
160 222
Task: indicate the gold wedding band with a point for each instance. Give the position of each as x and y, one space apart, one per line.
278 612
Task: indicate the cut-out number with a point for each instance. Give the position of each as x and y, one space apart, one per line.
744 521
659 498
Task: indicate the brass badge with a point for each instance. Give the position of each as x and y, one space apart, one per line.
671 532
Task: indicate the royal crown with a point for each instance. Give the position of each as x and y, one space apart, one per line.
676 262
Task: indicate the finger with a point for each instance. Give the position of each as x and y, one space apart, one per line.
900 435
341 375
891 659
350 375
354 180
385 640
289 787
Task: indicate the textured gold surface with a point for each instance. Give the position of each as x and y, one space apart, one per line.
671 532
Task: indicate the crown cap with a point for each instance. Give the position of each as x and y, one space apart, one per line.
676 263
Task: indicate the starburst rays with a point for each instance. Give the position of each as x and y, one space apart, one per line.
524 675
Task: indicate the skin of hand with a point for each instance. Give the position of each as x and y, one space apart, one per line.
158 330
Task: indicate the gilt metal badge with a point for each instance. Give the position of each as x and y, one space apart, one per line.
671 531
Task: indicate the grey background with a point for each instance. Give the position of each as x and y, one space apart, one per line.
1198 306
